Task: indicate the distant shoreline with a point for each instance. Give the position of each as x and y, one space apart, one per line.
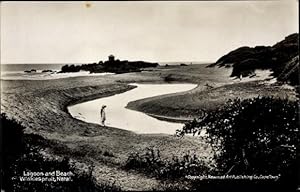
77 63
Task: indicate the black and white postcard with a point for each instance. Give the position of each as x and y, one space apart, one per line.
149 96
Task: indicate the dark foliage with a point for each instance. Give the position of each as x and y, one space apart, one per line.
150 162
291 72
19 153
108 154
256 136
169 78
12 145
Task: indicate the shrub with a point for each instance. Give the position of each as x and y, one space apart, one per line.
169 78
108 154
150 162
12 146
255 136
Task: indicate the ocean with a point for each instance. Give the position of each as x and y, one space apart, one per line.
25 67
17 72
57 67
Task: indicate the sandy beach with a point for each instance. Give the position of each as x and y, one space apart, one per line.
41 106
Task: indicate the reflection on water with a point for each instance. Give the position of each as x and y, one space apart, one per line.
118 116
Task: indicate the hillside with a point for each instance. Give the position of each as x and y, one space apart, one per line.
290 71
282 58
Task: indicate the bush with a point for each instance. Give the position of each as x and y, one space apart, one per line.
150 162
12 146
108 154
169 78
255 136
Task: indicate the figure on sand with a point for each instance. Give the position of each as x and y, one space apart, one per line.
103 115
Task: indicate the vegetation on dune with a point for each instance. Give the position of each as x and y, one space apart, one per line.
278 58
256 136
169 78
151 163
20 153
290 73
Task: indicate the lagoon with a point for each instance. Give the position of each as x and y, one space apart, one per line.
117 115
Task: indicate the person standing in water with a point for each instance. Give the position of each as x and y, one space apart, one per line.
103 115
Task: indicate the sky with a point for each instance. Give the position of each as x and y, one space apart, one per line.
158 31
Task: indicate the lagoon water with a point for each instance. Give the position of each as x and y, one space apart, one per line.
118 116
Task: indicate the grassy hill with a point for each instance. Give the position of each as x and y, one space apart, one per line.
282 58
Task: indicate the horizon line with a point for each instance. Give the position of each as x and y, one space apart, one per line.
70 63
